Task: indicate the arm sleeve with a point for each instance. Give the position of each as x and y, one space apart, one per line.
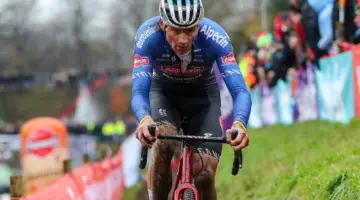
141 78
234 81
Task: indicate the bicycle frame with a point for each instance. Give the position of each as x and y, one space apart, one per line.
184 179
184 175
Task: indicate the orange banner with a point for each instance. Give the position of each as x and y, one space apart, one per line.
100 180
356 74
44 147
64 189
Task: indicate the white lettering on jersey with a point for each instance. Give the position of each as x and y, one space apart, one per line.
214 35
141 75
230 72
147 33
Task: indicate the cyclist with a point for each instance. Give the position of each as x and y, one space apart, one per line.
174 86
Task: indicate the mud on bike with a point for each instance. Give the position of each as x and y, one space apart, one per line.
184 185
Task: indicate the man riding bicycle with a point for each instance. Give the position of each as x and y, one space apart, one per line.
174 86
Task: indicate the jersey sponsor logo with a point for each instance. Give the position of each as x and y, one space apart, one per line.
140 61
145 35
209 32
176 70
182 79
162 112
207 135
165 55
142 75
228 59
208 152
198 60
231 72
163 60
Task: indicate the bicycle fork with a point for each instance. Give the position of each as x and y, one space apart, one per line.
184 180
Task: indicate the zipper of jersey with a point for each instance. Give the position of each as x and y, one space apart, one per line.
191 62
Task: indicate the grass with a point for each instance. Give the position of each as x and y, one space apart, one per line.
307 161
131 193
26 105
36 102
311 160
134 192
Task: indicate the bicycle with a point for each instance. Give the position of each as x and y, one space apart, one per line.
184 185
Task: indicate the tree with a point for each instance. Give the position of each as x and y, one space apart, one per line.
125 18
79 22
16 15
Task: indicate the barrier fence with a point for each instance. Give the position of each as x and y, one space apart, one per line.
92 181
327 92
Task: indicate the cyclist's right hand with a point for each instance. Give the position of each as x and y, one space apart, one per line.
143 134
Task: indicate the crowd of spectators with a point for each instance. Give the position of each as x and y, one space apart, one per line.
308 31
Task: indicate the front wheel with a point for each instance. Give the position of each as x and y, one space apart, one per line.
189 195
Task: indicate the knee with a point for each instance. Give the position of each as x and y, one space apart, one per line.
165 146
204 169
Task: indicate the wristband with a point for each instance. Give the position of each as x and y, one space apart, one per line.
240 124
144 118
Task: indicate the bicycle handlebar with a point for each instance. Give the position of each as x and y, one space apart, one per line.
144 150
237 162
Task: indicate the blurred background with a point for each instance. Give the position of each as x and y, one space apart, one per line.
72 60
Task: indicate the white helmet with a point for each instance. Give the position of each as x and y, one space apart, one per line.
181 13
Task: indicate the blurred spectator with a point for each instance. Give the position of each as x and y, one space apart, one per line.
356 37
289 47
324 10
247 64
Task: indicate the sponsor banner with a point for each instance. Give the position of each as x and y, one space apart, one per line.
5 173
9 147
356 76
305 95
268 112
284 102
80 145
335 88
44 147
255 119
131 149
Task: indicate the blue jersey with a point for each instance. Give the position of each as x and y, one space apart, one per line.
154 60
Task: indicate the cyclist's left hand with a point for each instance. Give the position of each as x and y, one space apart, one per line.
242 139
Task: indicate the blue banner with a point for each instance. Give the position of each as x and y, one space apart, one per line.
335 88
305 95
268 112
284 102
255 120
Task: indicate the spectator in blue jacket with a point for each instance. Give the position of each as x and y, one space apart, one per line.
324 10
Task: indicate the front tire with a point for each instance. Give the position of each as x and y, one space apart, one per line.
189 195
